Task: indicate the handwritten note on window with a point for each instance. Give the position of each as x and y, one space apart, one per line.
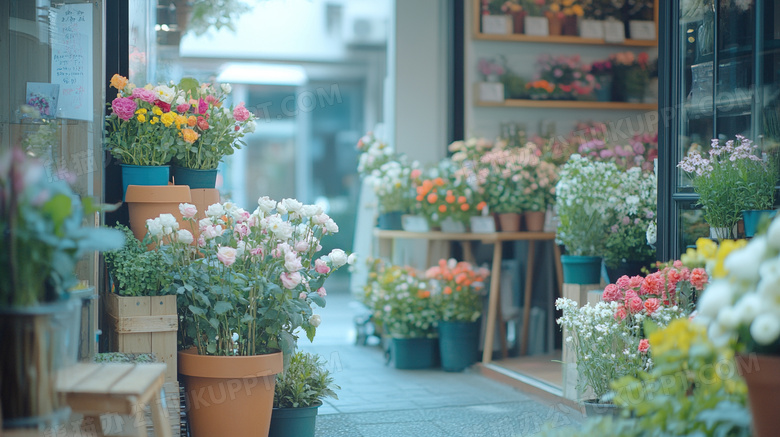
71 59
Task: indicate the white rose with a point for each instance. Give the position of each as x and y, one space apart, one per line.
240 248
311 210
180 100
226 88
320 219
748 307
164 93
184 236
331 226
210 232
266 204
290 206
315 320
155 227
717 295
250 126
765 328
169 221
337 257
281 229
215 210
204 222
744 263
352 259
728 318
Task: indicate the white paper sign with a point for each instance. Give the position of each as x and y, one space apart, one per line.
592 29
71 59
614 31
490 91
644 30
483 224
537 26
497 24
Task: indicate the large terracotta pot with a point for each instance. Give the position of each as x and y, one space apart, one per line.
145 202
509 222
763 383
229 396
534 221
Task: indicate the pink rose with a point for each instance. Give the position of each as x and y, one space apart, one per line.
240 113
699 278
302 296
321 291
301 246
635 304
242 229
611 293
184 107
201 241
321 267
257 251
124 107
622 283
226 255
143 94
212 231
290 280
644 345
188 210
652 305
635 281
211 100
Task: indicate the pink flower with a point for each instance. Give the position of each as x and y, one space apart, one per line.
226 255
184 107
644 345
211 100
212 231
201 241
653 285
635 304
677 264
651 305
202 107
240 113
256 251
188 210
124 107
301 246
622 283
302 296
699 278
321 267
321 292
144 94
674 276
611 293
242 229
636 281
620 313
290 280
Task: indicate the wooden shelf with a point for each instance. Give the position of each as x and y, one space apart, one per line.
563 39
570 104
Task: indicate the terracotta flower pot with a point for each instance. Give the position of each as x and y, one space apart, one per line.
509 222
763 384
534 221
145 202
230 396
555 23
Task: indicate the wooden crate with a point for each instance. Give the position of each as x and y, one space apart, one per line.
144 324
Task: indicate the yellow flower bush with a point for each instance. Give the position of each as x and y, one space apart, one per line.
710 255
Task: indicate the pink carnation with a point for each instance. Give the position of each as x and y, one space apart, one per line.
124 107
636 281
699 278
143 94
635 304
677 264
611 293
622 283
630 294
644 345
653 284
674 276
621 313
240 113
652 305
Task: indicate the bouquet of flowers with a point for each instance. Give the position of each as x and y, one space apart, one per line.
373 153
444 195
537 179
460 289
250 280
567 73
392 183
733 179
630 218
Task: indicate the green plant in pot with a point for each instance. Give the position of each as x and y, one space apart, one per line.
244 290
586 190
42 235
137 271
298 395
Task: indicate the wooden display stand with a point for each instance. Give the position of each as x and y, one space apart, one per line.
144 324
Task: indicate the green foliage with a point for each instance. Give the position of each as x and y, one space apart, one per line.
629 243
136 271
514 85
305 383
215 13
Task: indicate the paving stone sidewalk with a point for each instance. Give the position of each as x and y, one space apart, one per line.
378 400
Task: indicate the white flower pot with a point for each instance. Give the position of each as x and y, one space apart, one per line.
722 232
450 225
483 224
414 223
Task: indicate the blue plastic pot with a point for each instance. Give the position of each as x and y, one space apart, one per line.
415 353
294 422
753 217
390 221
194 178
458 345
581 269
143 175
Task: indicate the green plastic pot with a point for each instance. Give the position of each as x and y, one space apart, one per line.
581 269
415 353
194 178
294 422
143 175
458 345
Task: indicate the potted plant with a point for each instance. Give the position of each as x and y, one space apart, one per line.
498 180
298 395
495 18
585 190
516 11
537 179
215 131
536 23
402 305
731 180
565 14
43 236
458 302
602 71
631 75
244 290
741 311
392 184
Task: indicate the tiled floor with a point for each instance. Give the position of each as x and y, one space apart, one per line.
378 400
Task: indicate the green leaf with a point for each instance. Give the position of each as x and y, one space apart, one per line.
59 208
319 300
222 307
197 311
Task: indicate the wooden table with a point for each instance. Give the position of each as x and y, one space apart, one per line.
494 238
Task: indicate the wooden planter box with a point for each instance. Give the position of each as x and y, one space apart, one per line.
144 325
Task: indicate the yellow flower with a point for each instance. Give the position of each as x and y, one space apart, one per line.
140 111
555 7
156 110
726 247
168 118
155 120
141 118
706 248
679 336
568 2
189 135
578 11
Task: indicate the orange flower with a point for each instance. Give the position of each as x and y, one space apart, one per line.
423 294
481 205
447 290
462 199
450 198
118 82
192 121
432 198
464 207
442 208
189 135
420 197
427 185
439 182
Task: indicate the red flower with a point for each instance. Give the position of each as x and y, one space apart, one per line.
166 107
621 313
636 281
622 283
644 345
202 123
699 278
611 293
653 284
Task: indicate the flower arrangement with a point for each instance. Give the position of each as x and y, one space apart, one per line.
741 308
304 383
373 153
732 179
537 179
498 180
511 7
630 218
632 73
567 73
400 301
439 199
460 290
492 7
585 190
562 8
250 281
42 232
392 183
601 68
535 8
490 69
187 123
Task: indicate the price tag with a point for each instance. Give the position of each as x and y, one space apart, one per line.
592 29
644 30
614 31
490 91
497 24
537 26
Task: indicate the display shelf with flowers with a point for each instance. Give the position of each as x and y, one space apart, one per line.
568 74
244 291
446 200
458 300
515 9
741 310
602 72
631 76
43 236
732 179
563 15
